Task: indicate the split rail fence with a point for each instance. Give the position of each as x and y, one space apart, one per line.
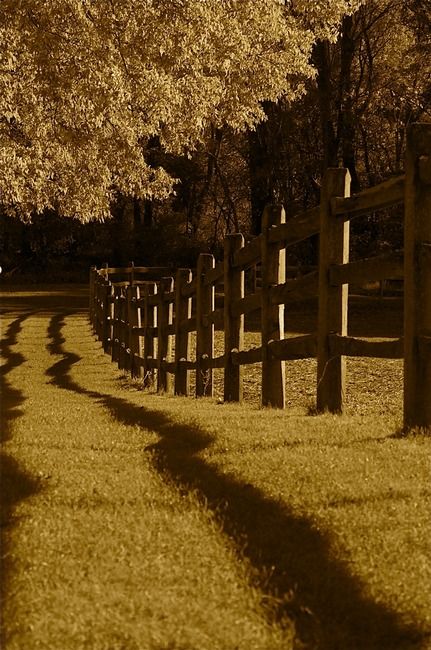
137 312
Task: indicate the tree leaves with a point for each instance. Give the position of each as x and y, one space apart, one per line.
85 84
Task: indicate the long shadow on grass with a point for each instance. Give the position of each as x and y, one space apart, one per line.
12 398
16 484
295 568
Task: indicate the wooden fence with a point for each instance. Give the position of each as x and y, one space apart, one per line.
137 312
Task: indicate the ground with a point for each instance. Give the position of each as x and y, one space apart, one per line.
139 521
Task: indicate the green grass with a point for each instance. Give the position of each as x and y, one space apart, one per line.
141 521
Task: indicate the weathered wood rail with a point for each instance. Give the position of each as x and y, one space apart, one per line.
138 312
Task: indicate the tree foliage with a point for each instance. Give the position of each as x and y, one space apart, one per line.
372 82
86 85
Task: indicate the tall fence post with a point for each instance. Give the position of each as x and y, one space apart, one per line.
333 300
135 340
417 279
122 331
99 307
107 315
204 329
183 311
115 348
127 360
233 324
150 322
273 273
164 320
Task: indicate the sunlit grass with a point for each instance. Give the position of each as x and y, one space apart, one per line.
354 480
105 553
162 522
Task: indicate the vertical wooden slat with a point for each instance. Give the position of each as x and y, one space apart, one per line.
116 325
135 341
233 325
107 315
149 322
97 308
333 301
126 328
417 281
183 311
122 346
204 330
272 316
164 319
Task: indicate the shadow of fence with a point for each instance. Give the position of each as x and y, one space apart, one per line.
17 485
294 566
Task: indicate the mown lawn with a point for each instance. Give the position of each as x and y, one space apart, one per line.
141 521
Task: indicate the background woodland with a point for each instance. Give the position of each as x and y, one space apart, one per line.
371 81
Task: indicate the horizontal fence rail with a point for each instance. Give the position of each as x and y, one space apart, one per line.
145 316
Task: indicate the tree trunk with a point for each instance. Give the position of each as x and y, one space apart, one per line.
346 116
321 60
260 194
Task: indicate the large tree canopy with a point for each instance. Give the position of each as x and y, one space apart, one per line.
85 85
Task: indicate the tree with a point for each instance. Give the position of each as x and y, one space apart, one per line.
371 83
86 84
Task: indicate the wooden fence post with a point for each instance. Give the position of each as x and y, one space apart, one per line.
233 325
417 279
135 340
107 315
150 322
272 316
127 358
204 330
164 319
116 325
183 311
98 315
122 332
333 300
97 307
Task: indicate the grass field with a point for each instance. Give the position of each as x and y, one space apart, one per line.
139 521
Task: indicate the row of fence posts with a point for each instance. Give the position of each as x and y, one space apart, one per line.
112 306
332 310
